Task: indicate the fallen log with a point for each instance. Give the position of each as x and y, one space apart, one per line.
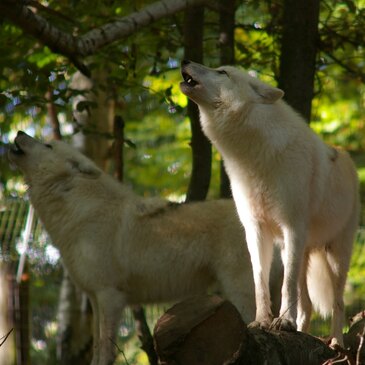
208 330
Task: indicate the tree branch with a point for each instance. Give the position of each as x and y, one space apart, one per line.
89 43
38 27
349 69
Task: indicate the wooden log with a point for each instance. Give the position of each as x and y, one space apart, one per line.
208 330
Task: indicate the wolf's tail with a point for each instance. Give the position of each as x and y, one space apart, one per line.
319 283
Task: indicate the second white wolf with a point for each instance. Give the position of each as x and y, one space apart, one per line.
123 249
287 185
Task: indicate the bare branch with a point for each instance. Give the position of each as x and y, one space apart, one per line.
4 338
88 44
355 72
358 354
38 27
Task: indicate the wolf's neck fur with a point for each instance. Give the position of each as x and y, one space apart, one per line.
240 135
58 204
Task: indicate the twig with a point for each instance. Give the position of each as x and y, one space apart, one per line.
144 334
47 9
358 357
337 360
272 325
120 350
4 338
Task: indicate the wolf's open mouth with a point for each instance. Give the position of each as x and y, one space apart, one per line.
16 149
189 80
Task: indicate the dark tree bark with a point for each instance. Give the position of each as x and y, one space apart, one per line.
298 53
52 116
144 334
226 42
201 147
118 147
209 331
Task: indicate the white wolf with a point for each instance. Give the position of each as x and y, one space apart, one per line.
123 249
286 183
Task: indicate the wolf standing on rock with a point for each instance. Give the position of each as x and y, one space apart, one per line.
287 185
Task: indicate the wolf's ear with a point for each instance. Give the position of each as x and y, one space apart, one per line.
267 94
85 168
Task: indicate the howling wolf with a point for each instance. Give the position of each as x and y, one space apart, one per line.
288 186
123 249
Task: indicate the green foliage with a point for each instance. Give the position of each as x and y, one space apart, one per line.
143 76
357 268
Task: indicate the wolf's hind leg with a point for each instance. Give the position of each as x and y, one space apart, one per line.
237 285
338 257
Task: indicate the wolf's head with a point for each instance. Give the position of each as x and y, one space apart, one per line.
225 86
55 161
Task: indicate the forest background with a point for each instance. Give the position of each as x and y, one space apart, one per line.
105 77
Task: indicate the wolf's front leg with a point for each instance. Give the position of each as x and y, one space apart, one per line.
293 257
260 246
111 303
96 330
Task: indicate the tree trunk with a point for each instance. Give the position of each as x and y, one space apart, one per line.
209 331
298 53
52 116
201 147
119 147
22 318
74 337
7 349
94 113
144 334
226 42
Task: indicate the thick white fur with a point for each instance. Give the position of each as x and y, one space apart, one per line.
287 184
123 249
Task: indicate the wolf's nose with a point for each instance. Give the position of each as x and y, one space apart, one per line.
185 62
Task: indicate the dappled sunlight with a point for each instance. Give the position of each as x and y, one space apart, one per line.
168 83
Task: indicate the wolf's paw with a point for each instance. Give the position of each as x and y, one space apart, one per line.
260 324
283 324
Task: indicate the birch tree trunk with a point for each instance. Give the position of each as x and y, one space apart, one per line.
7 349
94 111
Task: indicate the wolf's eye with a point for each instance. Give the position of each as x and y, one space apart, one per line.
48 146
222 72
